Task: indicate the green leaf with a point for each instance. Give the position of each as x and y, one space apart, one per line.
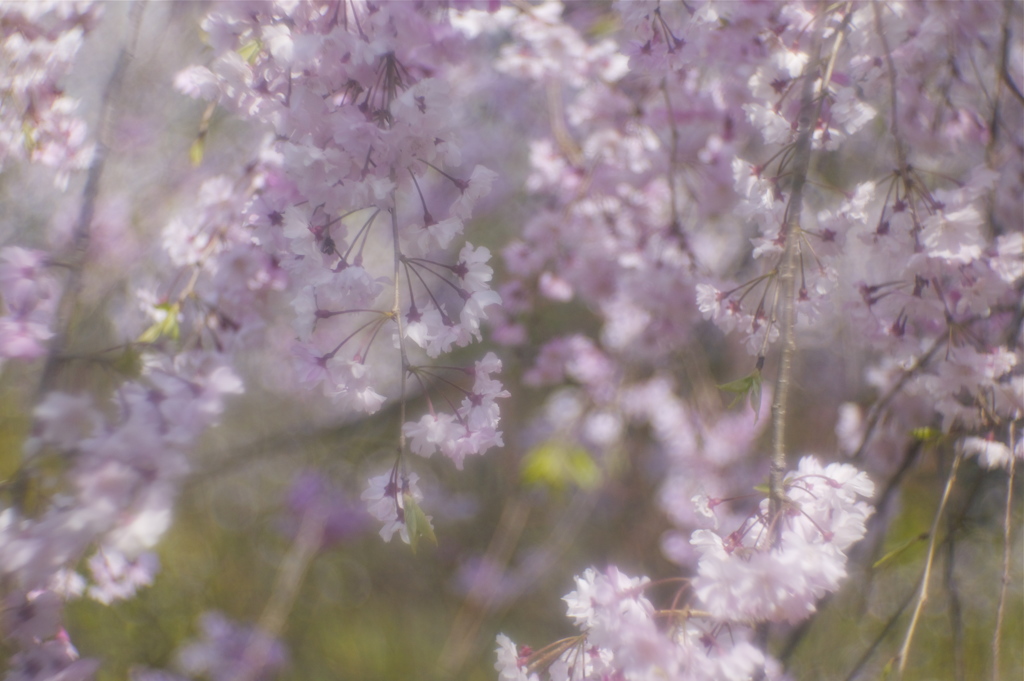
417 522
28 135
250 50
411 522
557 464
899 549
583 471
926 434
755 394
749 386
604 26
195 152
164 328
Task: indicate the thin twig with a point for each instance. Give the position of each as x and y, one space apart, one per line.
901 154
673 153
396 310
559 127
956 621
881 636
875 414
922 596
1005 582
955 525
1004 61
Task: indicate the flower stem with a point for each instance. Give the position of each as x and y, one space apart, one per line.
922 596
1005 582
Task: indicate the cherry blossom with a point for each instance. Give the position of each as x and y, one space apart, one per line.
385 500
689 202
38 46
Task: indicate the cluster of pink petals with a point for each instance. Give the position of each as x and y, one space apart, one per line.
38 122
625 638
368 173
749 576
126 469
385 498
741 579
30 294
473 429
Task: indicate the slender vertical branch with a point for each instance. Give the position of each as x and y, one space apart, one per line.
82 232
1004 56
1005 582
673 153
955 608
780 400
810 111
901 154
881 636
922 595
559 128
396 311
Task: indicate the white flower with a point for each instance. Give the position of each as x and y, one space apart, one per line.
384 497
475 272
991 454
480 182
954 236
508 662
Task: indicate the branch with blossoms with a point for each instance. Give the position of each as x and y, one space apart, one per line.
661 217
809 205
800 554
100 473
362 145
281 223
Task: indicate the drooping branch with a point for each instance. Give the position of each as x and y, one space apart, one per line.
811 103
82 232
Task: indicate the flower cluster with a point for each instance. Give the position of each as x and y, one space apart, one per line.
366 199
30 294
471 429
697 186
622 638
743 578
759 572
38 122
706 167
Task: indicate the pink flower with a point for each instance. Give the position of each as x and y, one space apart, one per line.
384 500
